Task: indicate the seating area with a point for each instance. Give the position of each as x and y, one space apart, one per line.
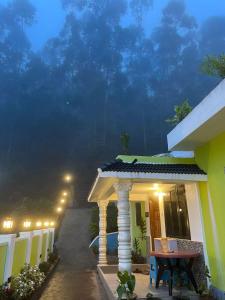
173 263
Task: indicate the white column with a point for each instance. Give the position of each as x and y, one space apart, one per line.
148 232
123 220
52 230
102 258
10 239
162 215
28 236
39 234
45 231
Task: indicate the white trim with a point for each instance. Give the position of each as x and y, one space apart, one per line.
153 176
52 230
194 215
10 239
196 123
28 235
45 231
93 187
162 216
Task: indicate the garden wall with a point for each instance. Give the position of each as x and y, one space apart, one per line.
27 247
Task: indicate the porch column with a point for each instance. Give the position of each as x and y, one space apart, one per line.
162 215
124 237
102 258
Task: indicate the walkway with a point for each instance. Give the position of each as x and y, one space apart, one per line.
75 277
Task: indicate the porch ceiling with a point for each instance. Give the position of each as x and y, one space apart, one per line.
144 183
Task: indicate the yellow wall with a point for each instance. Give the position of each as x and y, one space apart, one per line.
211 158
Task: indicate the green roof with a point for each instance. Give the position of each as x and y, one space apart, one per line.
156 159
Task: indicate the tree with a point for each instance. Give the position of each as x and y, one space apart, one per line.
214 66
125 139
181 111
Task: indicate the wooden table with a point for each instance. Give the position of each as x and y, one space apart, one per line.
171 262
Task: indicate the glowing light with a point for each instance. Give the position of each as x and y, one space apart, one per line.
59 209
27 224
65 194
155 187
68 177
38 224
8 224
46 224
180 209
62 201
52 224
160 194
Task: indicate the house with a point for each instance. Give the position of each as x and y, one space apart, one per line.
179 194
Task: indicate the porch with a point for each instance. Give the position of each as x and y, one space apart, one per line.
163 191
108 277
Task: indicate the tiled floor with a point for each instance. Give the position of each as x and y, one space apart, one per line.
142 287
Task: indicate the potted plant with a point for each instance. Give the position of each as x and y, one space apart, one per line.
125 289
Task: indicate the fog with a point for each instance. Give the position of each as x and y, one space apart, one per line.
76 74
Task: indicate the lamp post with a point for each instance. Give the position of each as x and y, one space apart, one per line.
68 179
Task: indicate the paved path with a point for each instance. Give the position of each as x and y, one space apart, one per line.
75 277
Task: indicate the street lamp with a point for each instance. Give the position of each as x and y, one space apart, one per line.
59 209
65 194
68 178
62 200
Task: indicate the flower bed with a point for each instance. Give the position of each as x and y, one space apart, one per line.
29 284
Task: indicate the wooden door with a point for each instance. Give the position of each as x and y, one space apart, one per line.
155 225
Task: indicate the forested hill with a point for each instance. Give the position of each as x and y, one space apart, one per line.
65 107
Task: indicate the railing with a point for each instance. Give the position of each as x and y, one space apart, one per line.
31 247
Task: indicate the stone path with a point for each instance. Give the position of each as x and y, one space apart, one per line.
75 277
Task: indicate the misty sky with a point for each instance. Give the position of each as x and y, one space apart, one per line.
78 94
50 16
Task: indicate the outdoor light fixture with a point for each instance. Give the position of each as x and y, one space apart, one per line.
8 224
59 209
27 224
160 194
39 224
155 187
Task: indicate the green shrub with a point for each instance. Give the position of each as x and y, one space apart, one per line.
25 284
53 256
44 267
6 292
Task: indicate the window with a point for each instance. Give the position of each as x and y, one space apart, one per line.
138 213
176 213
